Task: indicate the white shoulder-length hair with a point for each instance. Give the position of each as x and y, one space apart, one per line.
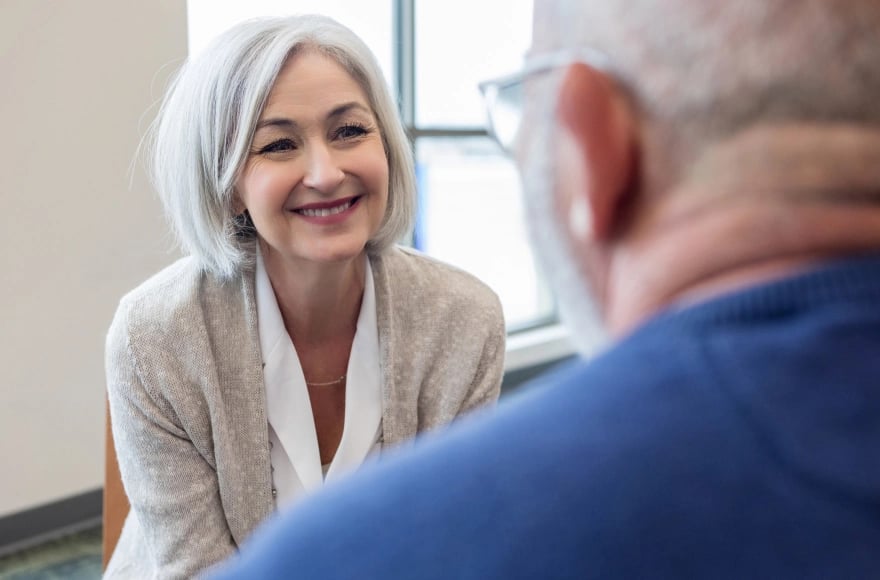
200 140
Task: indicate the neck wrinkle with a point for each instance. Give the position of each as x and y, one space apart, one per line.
742 244
762 204
798 160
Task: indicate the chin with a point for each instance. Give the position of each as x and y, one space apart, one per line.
331 253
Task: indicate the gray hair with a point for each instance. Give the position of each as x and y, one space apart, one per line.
706 70
201 137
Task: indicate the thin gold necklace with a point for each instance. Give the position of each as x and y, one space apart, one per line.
328 383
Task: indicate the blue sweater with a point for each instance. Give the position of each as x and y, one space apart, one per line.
738 438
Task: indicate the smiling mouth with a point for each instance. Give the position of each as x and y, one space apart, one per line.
328 211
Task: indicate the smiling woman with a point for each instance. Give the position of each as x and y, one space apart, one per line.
296 339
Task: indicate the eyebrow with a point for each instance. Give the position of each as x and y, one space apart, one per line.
291 124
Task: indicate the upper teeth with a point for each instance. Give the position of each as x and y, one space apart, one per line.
326 211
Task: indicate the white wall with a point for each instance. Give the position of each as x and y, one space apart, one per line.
77 85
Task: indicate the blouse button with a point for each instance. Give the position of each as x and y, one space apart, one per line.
274 492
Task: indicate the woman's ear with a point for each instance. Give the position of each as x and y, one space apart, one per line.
238 206
597 123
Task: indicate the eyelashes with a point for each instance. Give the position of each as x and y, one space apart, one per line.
276 146
351 131
347 132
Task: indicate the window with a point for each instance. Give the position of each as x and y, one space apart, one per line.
433 55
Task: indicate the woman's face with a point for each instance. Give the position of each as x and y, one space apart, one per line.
316 178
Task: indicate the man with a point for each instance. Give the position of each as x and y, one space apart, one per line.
709 173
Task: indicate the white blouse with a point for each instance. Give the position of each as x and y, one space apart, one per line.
296 461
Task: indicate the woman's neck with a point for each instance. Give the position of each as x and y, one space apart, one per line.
319 302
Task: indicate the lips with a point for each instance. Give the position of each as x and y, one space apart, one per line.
325 209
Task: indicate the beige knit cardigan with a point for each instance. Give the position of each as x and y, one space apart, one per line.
188 404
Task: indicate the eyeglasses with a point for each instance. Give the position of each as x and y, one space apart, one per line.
503 96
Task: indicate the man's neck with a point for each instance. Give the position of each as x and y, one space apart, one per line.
763 206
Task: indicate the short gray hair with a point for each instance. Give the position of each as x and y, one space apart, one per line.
705 70
202 135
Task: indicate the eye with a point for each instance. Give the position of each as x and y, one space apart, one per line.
351 131
278 146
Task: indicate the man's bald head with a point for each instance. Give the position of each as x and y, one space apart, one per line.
698 71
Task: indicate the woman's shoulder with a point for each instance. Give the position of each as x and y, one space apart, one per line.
410 266
418 279
170 296
169 288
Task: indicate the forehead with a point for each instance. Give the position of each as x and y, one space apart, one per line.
311 80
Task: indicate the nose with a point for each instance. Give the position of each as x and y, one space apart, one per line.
323 172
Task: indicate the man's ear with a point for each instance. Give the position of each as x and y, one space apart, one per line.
596 120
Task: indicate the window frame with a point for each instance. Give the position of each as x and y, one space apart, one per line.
404 46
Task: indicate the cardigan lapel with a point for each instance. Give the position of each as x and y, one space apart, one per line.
240 423
399 406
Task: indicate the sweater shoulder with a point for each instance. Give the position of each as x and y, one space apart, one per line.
164 292
170 298
435 280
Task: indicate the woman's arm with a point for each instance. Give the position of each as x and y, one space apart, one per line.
486 386
172 487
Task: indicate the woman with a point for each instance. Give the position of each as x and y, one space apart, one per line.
295 339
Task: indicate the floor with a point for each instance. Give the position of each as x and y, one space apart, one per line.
74 557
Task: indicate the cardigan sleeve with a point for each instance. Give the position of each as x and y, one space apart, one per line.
172 487
486 386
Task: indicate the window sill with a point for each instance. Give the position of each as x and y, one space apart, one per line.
534 347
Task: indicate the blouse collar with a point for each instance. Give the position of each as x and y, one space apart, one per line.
295 457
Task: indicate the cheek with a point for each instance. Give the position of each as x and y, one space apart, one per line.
375 174
383 184
261 185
